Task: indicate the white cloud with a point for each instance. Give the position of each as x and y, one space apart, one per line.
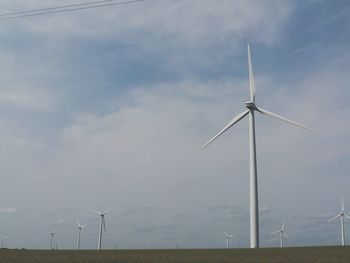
8 210
60 221
27 101
191 22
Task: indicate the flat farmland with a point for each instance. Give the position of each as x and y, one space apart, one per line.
268 255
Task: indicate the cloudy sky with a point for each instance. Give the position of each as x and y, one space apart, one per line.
111 106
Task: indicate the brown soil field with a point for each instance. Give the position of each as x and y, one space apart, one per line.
268 255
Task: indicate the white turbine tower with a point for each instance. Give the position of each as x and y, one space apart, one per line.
102 224
80 227
3 245
282 234
149 243
52 235
251 108
341 215
228 237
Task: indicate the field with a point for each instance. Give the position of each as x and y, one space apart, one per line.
268 255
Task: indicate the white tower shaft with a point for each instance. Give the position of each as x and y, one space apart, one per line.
254 206
342 230
281 239
100 234
50 246
78 241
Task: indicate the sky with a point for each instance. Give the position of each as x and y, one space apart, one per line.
110 107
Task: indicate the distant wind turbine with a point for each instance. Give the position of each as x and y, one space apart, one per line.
341 215
52 235
251 108
102 224
80 227
282 234
148 244
228 237
3 245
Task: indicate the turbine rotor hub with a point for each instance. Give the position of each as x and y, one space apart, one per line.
251 105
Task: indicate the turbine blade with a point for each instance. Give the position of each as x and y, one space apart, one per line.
273 115
229 125
94 211
84 226
283 226
105 212
226 234
104 223
251 76
334 218
342 203
285 235
348 217
275 232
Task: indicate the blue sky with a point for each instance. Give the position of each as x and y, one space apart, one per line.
111 107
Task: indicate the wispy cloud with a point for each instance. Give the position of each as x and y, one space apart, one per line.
8 210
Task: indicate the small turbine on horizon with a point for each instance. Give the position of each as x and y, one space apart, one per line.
3 244
80 227
148 242
251 109
102 224
341 215
282 234
228 237
52 235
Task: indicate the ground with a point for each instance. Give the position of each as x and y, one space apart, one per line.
268 255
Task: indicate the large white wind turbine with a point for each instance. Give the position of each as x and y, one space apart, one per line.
102 224
80 227
341 215
52 235
228 237
251 108
282 234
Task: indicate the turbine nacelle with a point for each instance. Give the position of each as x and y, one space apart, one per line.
251 105
80 227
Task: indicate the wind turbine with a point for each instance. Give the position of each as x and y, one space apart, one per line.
148 243
228 237
52 235
80 227
251 108
102 224
341 215
3 242
282 234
